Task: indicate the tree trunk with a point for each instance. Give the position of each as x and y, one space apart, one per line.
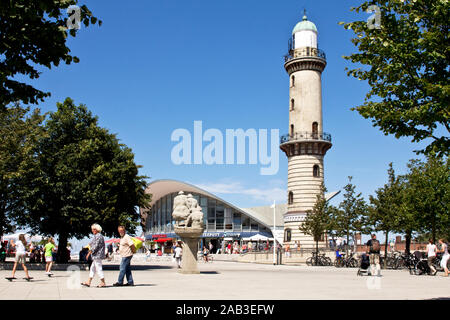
317 252
408 242
385 249
61 255
433 228
348 241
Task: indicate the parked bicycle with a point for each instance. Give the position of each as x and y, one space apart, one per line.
321 260
348 262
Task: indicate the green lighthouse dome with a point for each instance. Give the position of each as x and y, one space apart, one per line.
304 25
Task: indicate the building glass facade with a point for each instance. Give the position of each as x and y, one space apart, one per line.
217 217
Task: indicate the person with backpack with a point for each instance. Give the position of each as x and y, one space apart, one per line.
374 255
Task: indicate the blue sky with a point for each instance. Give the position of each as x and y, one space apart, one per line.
155 66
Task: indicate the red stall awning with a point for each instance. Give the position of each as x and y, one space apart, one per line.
163 239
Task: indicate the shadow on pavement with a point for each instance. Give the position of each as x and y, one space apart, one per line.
135 267
209 272
136 285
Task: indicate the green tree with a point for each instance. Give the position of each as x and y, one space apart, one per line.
385 207
406 63
33 33
429 196
348 217
317 220
81 175
19 131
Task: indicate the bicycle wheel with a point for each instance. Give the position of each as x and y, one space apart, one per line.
328 261
353 263
309 261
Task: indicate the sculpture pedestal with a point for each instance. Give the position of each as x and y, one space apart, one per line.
190 237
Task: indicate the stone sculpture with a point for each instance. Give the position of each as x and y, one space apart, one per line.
186 211
188 218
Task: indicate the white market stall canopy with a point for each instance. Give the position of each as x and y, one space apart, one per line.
256 237
15 236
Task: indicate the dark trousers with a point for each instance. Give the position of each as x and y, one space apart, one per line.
125 270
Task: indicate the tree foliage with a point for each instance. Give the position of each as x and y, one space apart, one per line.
348 218
428 193
406 63
33 33
19 130
318 219
385 209
81 175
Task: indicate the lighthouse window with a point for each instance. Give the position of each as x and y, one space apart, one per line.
292 104
315 130
316 172
291 197
292 130
293 81
287 235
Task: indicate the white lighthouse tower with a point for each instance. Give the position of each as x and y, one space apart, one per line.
306 144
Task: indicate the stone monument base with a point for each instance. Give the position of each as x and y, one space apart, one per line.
190 237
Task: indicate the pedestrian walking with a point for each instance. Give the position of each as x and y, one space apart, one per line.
49 250
294 247
178 254
21 249
445 257
287 249
374 255
205 254
126 251
431 255
210 247
97 251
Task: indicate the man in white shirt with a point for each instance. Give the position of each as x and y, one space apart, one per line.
126 251
431 251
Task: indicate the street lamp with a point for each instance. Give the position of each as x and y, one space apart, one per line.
273 233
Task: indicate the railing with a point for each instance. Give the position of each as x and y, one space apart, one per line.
304 52
305 136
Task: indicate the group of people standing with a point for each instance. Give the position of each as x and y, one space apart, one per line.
373 246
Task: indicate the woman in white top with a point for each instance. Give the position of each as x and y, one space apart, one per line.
178 254
20 247
431 251
445 257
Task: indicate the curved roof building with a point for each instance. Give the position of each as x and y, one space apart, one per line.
221 218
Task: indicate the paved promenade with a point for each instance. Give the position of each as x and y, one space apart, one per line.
229 280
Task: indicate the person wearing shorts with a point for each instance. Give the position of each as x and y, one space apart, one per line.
20 246
431 251
445 257
49 248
